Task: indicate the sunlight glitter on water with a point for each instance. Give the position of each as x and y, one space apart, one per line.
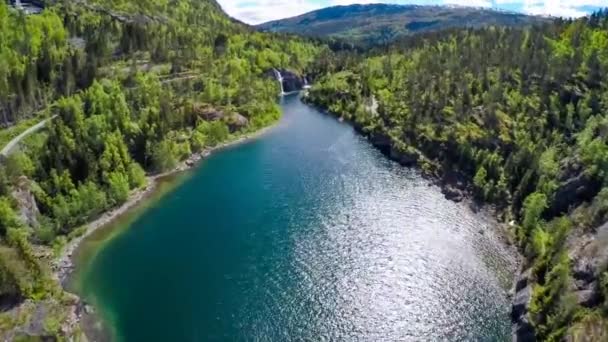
307 233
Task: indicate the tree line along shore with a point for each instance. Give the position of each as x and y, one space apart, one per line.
514 116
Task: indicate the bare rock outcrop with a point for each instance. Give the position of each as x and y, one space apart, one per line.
28 209
208 113
589 257
575 187
522 329
236 122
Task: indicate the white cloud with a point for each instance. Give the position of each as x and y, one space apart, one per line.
470 3
258 11
557 8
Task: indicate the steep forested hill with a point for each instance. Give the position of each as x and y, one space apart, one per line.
131 88
519 118
376 23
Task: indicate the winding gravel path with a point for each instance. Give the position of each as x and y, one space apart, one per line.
10 147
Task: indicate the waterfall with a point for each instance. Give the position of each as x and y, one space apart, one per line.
306 85
18 4
279 78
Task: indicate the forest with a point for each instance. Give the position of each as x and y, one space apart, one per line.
130 89
518 117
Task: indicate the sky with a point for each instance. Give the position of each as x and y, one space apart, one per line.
259 11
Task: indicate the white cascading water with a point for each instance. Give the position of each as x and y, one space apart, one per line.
306 85
279 78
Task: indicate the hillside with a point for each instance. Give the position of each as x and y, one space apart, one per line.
376 22
516 118
129 90
125 90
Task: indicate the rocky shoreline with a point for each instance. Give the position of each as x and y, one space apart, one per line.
587 251
454 185
457 187
63 266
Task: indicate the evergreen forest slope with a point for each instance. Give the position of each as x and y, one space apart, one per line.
517 117
133 88
513 114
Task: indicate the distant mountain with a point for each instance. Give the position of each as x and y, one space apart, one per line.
378 22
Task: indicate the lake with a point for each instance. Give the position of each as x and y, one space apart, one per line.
304 233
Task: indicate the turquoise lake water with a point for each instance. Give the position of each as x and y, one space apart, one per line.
306 233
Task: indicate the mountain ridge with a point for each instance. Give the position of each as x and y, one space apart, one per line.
370 23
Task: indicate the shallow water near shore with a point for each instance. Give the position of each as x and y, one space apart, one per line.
305 233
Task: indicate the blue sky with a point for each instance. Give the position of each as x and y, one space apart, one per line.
257 11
